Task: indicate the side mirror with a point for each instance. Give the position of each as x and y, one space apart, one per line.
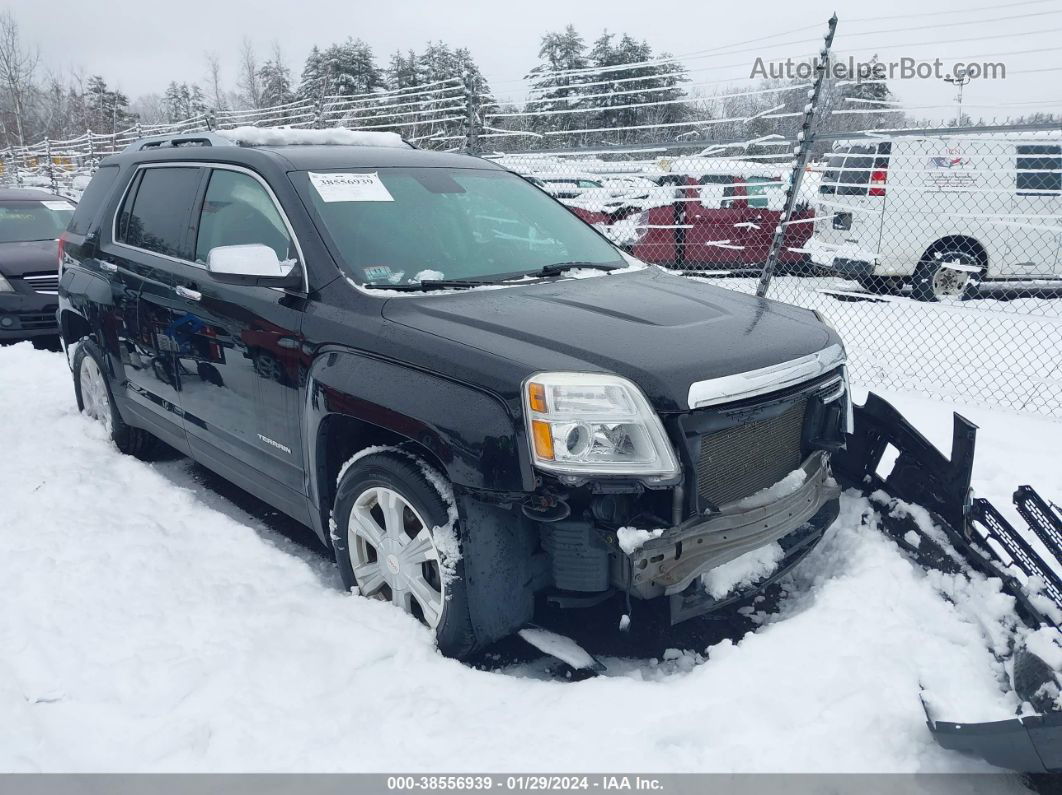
252 263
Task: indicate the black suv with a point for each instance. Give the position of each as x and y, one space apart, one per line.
472 396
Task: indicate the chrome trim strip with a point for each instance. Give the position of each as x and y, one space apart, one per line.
739 386
222 166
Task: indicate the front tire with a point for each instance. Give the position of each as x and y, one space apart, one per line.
92 389
394 540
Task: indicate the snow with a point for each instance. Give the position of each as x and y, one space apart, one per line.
747 569
992 351
783 488
151 625
631 539
559 646
284 136
427 275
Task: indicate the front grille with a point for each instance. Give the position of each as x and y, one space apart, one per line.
46 282
34 321
741 460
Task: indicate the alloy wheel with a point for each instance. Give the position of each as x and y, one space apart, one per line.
94 396
393 554
949 282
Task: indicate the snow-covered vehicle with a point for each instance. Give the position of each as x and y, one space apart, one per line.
495 410
941 213
713 214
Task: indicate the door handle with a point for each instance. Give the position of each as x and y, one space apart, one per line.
184 292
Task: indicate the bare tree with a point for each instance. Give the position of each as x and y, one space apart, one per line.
17 66
249 82
213 80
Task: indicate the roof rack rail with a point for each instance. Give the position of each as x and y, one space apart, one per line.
178 139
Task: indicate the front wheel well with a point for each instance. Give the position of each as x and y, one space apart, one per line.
961 243
73 326
339 438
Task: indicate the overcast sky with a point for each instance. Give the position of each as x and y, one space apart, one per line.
140 46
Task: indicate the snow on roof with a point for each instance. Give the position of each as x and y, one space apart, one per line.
284 136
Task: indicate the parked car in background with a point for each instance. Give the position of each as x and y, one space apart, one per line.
30 224
940 214
469 429
713 217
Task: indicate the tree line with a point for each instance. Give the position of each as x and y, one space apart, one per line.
615 89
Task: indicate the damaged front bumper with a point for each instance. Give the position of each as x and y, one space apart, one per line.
670 564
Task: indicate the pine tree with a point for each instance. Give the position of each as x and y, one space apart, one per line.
402 71
351 69
106 110
275 79
313 83
551 93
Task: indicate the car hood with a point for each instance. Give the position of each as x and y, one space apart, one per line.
32 256
663 331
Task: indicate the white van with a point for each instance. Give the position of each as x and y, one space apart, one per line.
941 214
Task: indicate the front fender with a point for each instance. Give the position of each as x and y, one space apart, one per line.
469 431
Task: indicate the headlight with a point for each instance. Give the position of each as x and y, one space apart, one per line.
595 424
5 286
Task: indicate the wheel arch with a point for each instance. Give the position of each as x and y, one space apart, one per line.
966 243
356 401
73 326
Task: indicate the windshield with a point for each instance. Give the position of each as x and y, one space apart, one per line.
406 225
33 220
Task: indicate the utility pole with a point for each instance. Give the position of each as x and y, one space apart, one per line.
959 79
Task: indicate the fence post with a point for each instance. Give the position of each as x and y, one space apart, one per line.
800 159
471 105
53 183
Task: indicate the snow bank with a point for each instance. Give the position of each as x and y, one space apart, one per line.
284 136
149 625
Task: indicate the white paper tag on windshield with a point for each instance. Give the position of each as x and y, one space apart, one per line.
52 205
350 187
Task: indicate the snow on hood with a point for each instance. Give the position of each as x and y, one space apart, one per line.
284 136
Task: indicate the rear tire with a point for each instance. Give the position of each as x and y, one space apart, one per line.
386 512
92 389
932 281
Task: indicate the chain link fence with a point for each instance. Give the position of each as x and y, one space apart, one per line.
936 252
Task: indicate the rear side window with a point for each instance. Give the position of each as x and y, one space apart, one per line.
158 210
1039 170
95 194
848 170
238 211
855 176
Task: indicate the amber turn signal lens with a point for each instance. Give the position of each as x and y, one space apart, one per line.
536 397
543 437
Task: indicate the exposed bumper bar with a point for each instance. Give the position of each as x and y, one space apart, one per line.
668 564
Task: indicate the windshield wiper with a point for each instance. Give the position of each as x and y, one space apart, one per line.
559 268
429 284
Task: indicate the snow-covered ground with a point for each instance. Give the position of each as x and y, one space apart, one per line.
1001 349
148 624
